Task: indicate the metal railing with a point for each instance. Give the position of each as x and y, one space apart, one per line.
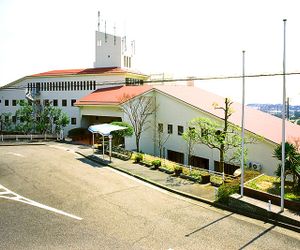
30 137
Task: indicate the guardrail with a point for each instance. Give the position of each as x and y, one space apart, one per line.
27 137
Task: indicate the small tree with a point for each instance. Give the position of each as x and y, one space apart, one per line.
26 117
5 122
120 134
221 136
138 111
190 137
292 162
34 117
160 138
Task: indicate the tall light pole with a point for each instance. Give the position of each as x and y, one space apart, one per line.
243 128
283 120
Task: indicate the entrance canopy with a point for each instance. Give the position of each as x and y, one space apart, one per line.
104 129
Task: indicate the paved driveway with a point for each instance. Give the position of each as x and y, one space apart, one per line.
52 198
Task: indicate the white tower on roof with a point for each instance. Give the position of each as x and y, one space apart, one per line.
112 50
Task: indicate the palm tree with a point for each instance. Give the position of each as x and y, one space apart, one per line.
292 162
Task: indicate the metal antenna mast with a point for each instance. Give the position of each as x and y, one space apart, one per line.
99 21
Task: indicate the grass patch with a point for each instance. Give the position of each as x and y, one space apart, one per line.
271 185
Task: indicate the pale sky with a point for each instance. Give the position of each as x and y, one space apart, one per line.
183 38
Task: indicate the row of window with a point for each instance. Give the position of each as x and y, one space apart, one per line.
61 86
133 81
54 102
14 119
170 129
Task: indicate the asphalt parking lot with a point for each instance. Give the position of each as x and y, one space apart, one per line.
60 200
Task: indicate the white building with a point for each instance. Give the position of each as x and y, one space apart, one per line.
177 105
113 66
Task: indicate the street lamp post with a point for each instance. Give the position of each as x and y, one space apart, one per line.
283 120
243 128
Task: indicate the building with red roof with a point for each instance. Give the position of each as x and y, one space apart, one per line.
177 105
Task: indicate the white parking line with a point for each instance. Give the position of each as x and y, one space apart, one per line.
7 194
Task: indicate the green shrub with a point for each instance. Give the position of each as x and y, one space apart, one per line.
138 157
216 180
156 163
178 170
225 190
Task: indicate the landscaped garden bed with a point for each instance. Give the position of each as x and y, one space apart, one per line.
271 185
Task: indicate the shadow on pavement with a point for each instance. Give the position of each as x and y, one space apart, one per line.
209 224
90 162
257 237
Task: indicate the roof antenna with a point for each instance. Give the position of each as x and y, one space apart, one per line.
105 31
98 21
115 40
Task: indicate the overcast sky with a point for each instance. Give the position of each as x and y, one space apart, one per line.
183 38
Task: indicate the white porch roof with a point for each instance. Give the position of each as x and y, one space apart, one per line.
104 129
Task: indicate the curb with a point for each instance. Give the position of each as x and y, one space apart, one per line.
23 144
197 198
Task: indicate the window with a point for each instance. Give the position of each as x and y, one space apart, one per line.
55 102
73 121
6 102
14 102
73 101
170 129
64 102
14 119
46 102
180 130
94 84
160 128
6 118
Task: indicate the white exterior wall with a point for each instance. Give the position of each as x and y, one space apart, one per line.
172 111
110 51
71 111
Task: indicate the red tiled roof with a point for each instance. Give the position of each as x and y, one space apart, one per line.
112 95
258 122
89 71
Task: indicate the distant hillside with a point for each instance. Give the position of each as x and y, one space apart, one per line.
275 109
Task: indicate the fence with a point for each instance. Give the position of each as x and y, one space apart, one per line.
27 137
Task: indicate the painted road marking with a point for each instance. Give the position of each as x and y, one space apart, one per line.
7 194
15 154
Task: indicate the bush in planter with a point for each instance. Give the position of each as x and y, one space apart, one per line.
156 163
205 177
138 158
225 190
216 181
177 170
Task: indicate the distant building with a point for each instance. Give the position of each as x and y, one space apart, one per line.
113 67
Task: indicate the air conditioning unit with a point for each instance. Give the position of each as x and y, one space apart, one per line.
255 165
